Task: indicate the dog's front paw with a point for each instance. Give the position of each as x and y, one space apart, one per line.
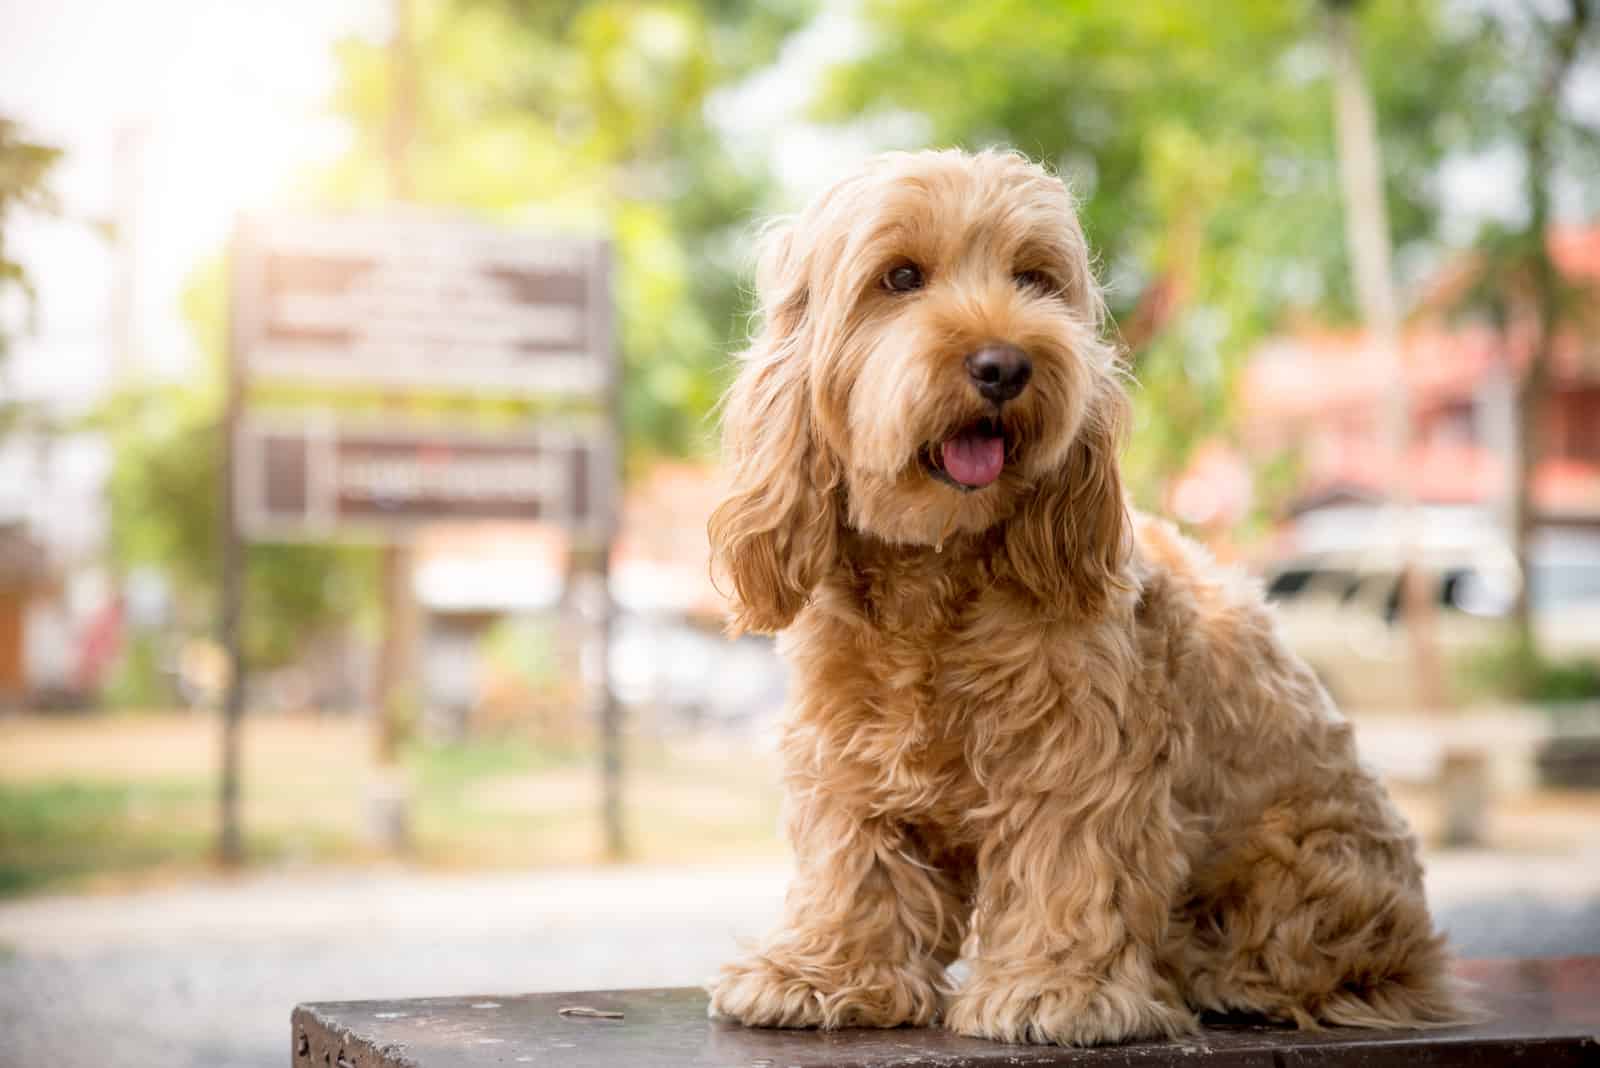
1065 1011
758 993
766 992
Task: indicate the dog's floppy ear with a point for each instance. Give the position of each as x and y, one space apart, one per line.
1071 540
775 532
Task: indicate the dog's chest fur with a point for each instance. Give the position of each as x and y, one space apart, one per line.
935 682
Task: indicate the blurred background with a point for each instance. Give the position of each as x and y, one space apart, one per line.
1352 248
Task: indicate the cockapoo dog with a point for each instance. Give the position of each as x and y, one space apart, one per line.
1026 722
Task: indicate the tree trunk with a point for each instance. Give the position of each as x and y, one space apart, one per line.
1367 235
1546 293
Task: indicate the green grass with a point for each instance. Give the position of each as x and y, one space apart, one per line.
65 834
497 802
445 770
1512 671
57 832
507 801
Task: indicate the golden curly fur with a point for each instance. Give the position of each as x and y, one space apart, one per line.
1026 722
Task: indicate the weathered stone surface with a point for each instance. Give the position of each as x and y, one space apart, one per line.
1544 1012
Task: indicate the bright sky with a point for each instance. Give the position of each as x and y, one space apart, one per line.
226 99
221 101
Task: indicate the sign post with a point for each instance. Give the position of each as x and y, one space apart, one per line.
400 305
389 803
230 844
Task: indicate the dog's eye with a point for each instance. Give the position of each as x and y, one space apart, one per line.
1037 280
903 279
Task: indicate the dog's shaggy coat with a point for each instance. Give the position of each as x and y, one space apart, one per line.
1026 723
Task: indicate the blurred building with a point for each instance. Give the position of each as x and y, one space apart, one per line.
25 581
670 658
663 558
94 323
1319 398
1322 394
501 629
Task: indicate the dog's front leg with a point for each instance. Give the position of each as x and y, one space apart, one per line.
1075 885
869 927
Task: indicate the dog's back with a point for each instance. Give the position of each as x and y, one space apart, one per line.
1305 899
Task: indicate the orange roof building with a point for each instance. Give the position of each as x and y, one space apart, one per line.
1324 393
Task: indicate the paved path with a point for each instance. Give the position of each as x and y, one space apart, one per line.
204 977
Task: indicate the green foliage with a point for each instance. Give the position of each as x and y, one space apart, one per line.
25 168
138 679
589 114
1199 137
1516 670
1566 680
164 512
164 500
524 649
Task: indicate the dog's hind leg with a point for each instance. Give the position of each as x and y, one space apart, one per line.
1316 916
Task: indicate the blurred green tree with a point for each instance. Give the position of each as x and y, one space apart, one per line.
589 114
1513 281
25 167
1199 140
166 443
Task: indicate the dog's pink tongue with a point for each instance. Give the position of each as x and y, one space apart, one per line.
974 459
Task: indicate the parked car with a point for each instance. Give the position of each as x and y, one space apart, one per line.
1343 610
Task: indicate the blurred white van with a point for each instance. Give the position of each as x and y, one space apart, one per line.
1342 611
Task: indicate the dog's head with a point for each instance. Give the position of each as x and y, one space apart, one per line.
930 367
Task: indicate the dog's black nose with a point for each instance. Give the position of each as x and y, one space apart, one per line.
1000 371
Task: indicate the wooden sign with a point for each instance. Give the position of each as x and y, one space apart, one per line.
408 302
314 478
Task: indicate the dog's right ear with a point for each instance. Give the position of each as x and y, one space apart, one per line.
775 532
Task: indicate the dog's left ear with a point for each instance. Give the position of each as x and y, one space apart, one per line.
775 532
1070 542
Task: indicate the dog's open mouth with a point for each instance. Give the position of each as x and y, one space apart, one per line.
970 459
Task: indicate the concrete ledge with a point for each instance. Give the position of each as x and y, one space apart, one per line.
1544 1013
